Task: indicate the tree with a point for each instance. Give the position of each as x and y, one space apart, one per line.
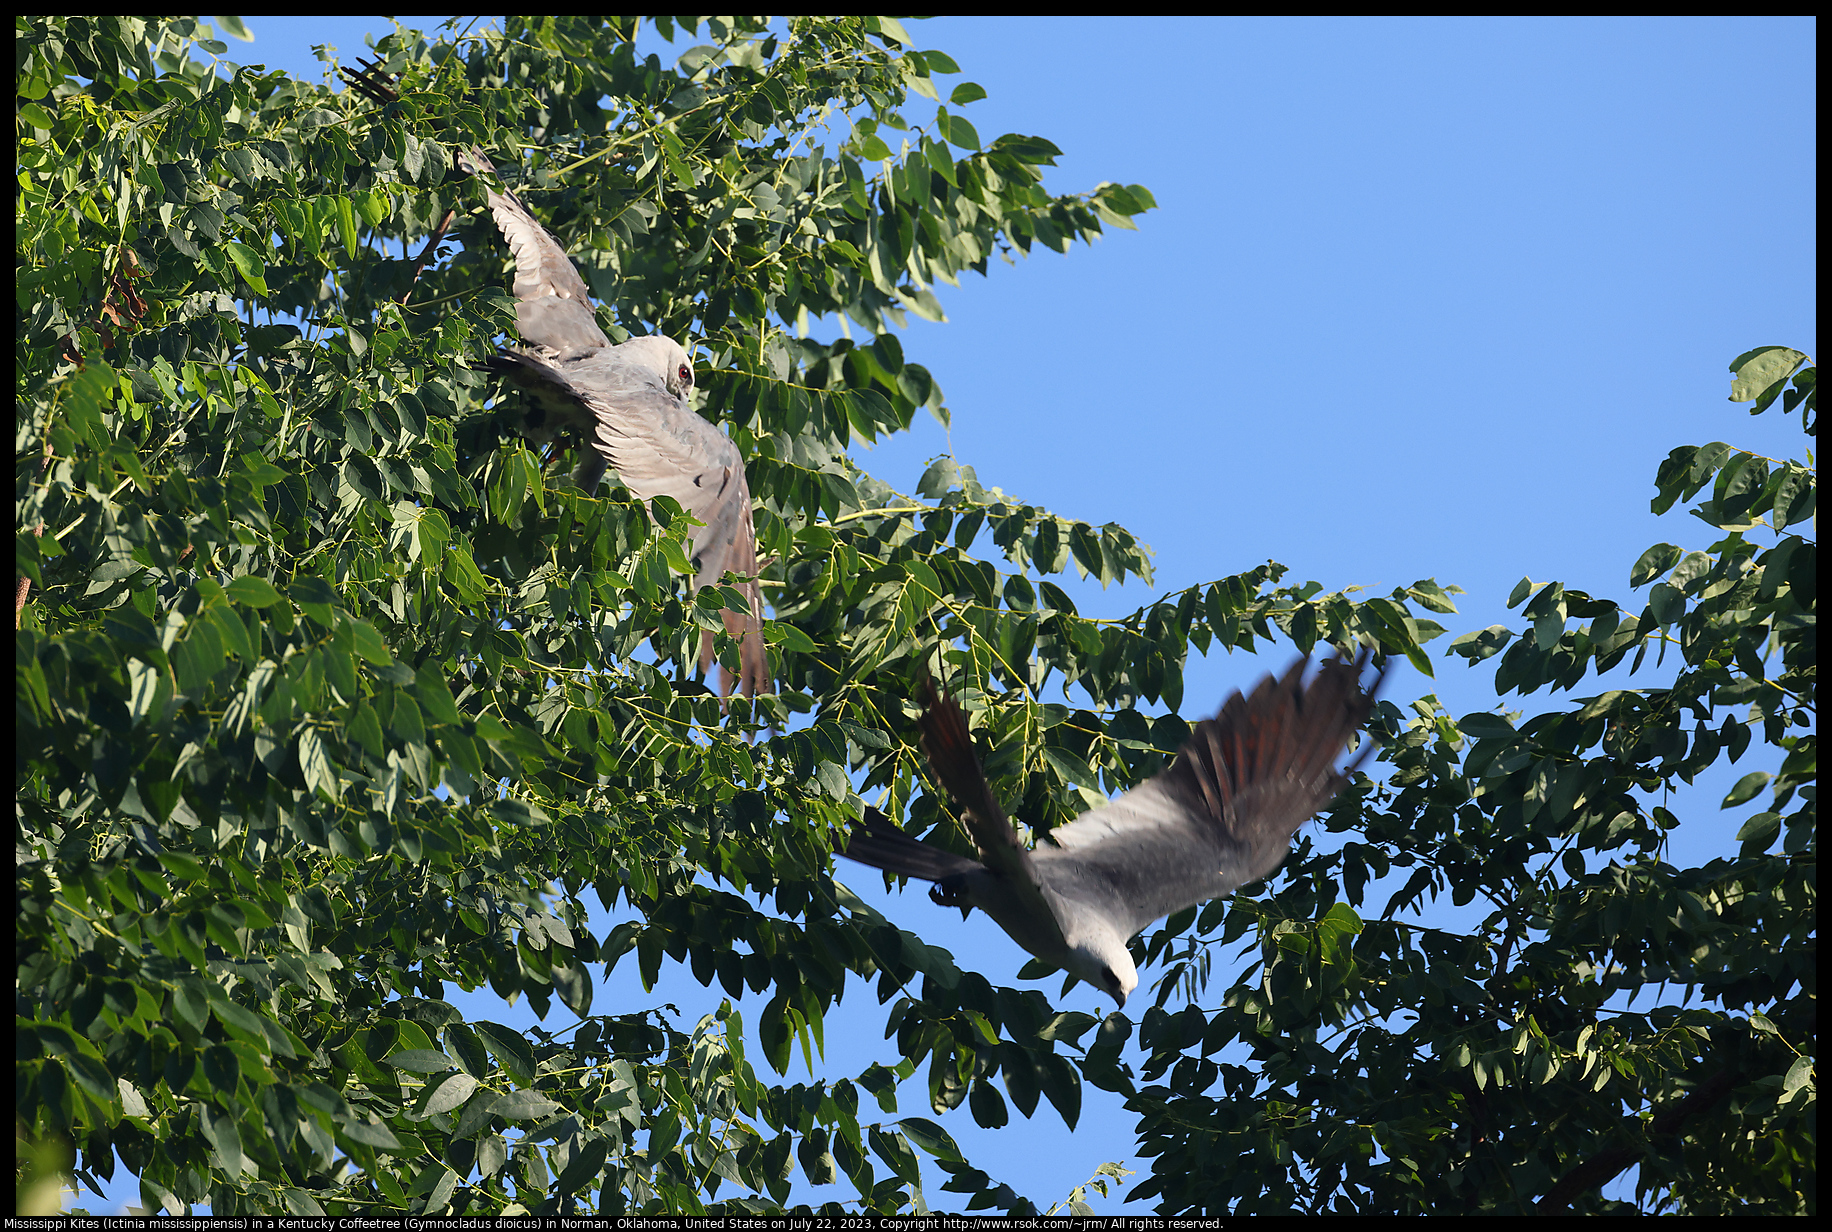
1398 1067
330 697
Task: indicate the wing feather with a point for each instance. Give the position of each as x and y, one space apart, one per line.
878 841
1224 812
552 306
950 748
1025 909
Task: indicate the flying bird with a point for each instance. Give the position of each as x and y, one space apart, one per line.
1220 816
631 403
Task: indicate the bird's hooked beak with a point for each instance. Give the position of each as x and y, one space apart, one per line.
1110 984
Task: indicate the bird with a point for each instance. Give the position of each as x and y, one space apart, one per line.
1220 816
631 404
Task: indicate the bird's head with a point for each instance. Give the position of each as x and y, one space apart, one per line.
1107 964
668 360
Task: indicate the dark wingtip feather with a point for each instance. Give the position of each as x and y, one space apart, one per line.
878 841
1265 763
949 744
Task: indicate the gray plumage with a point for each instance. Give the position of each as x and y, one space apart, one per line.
1220 816
631 406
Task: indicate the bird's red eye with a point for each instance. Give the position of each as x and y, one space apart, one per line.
686 375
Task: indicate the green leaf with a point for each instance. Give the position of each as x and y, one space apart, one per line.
833 779
932 1138
346 223
315 764
225 1142
941 475
492 1154
373 1133
817 1160
420 1060
435 695
1746 789
1431 596
241 1022
251 591
987 1106
891 28
524 1106
511 1050
959 133
92 1076
584 1166
1760 829
1653 562
248 264
1390 624
1761 373
894 1149
314 597
1482 644
1070 766
222 1070
368 642
447 1095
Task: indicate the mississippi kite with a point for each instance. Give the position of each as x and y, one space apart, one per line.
1221 816
631 404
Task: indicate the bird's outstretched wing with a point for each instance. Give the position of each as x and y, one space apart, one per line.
1222 815
1224 812
656 442
950 749
878 841
659 447
1005 884
552 306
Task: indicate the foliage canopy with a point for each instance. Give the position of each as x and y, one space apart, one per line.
328 700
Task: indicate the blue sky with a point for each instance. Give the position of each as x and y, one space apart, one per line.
1422 298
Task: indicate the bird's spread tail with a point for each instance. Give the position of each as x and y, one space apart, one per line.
753 675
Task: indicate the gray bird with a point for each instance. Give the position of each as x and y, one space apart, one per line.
1220 816
631 404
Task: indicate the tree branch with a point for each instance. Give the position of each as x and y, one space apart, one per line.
1594 1173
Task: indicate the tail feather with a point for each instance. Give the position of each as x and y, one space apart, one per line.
753 675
